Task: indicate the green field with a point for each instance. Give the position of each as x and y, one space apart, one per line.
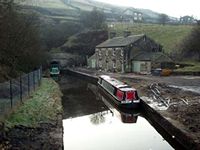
57 4
169 36
195 67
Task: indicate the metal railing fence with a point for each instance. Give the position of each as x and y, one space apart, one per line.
14 92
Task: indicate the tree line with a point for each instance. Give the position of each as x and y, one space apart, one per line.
20 48
190 46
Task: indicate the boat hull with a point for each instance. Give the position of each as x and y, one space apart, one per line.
125 104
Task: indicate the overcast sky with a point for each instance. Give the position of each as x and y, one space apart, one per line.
175 8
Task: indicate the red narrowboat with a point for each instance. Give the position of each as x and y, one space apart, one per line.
123 94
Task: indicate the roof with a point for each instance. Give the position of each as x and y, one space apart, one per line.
113 81
132 9
151 56
116 83
120 41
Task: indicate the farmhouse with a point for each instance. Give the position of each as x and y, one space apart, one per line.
128 53
187 20
131 15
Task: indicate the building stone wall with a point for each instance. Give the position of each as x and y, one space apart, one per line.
109 59
122 58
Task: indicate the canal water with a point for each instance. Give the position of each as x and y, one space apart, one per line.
92 122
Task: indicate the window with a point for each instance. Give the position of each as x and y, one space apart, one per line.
122 52
114 52
100 64
106 52
120 95
99 52
130 95
114 64
108 87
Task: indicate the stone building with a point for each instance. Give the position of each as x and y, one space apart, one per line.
187 20
128 53
131 15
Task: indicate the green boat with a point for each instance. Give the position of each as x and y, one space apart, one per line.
54 69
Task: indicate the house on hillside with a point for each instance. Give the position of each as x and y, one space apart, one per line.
187 20
128 53
131 15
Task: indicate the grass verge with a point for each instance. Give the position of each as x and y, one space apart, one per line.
42 107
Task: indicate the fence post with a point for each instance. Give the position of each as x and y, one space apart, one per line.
40 73
28 84
34 80
20 79
11 94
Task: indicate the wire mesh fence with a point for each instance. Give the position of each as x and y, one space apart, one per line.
13 92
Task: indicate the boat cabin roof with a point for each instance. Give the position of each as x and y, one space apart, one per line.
118 84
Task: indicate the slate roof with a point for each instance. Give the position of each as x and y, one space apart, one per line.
120 41
152 56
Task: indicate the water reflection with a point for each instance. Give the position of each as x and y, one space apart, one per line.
98 118
82 134
78 99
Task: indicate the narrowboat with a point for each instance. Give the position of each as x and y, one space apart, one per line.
125 115
121 93
55 70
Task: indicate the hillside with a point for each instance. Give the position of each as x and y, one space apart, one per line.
169 36
111 10
55 11
56 4
71 9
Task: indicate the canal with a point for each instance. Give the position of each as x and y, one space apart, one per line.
92 122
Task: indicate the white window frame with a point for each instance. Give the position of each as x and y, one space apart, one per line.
100 64
100 52
122 52
106 52
114 64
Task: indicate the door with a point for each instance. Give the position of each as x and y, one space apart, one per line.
93 63
135 66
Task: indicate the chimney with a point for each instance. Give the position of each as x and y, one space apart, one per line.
127 33
112 34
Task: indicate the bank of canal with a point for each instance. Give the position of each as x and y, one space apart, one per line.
92 122
37 123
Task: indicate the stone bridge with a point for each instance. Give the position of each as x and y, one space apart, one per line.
66 59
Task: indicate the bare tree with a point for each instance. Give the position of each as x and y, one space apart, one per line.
19 39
